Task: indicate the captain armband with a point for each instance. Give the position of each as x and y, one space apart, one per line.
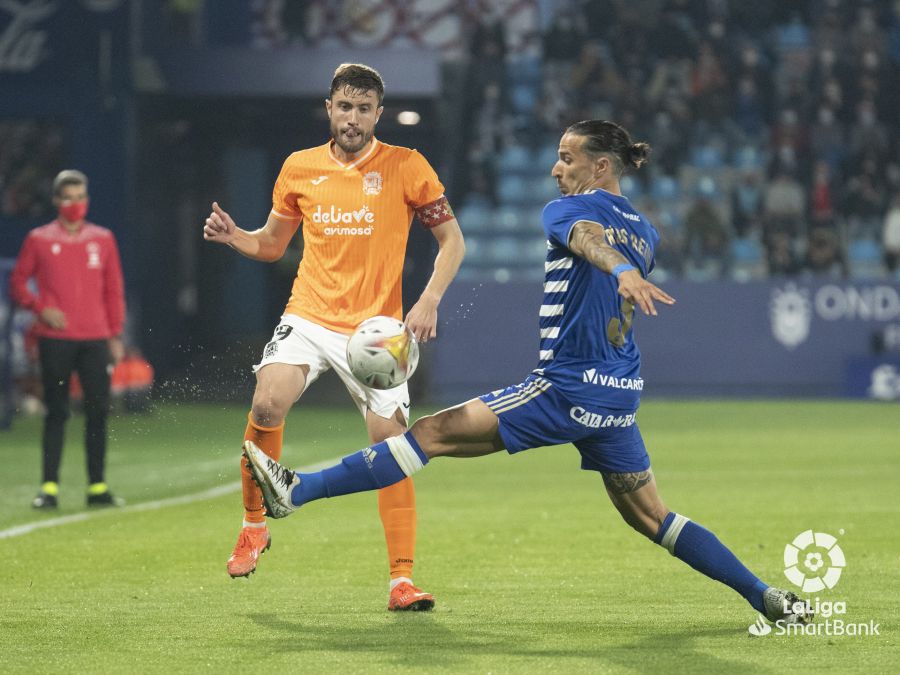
434 213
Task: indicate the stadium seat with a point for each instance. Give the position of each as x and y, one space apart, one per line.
505 251
707 187
515 159
707 157
665 189
475 251
746 250
524 98
864 259
631 187
534 252
747 158
474 217
532 274
547 156
748 259
525 70
513 189
670 217
542 189
511 219
705 270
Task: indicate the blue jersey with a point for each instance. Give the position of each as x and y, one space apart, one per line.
587 346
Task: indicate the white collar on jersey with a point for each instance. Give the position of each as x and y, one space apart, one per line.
357 161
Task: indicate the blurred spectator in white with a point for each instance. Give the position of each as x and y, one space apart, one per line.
785 204
890 236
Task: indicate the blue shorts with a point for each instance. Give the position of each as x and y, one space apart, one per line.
535 413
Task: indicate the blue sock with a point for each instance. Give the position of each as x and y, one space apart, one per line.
702 550
372 468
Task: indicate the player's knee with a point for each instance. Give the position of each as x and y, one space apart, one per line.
428 432
267 411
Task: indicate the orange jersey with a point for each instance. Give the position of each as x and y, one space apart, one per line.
355 220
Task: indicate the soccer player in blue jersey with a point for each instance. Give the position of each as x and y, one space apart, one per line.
587 385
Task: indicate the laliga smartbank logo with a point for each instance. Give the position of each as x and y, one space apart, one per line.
814 562
356 222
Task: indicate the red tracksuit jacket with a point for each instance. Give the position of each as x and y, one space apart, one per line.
80 273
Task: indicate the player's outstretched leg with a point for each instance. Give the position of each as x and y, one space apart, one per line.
377 466
701 549
274 480
636 498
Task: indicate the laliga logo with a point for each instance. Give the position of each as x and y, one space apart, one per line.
790 313
813 561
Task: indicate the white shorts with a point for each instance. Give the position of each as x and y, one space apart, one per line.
298 341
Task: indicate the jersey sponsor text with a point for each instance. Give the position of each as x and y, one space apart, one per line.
598 421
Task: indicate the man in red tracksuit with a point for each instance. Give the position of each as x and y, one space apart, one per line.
80 309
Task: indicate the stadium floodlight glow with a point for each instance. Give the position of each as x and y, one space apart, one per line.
408 117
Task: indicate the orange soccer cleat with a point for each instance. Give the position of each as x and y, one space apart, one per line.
252 543
407 598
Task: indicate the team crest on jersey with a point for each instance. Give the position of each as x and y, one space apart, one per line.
372 183
93 251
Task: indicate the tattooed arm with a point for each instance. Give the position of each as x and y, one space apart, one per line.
588 240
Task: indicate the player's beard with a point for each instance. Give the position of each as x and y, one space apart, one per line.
354 145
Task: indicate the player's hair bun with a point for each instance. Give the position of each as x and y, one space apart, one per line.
638 153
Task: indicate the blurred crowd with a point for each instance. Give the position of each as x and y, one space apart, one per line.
31 153
775 128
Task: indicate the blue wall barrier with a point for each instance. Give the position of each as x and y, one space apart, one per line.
772 338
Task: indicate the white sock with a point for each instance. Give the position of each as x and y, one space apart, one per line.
260 525
399 580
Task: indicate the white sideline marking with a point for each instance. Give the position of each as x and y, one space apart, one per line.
212 493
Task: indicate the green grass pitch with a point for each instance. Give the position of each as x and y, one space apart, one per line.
532 569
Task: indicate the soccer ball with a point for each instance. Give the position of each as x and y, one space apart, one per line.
382 352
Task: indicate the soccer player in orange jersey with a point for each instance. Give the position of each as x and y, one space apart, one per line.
355 198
